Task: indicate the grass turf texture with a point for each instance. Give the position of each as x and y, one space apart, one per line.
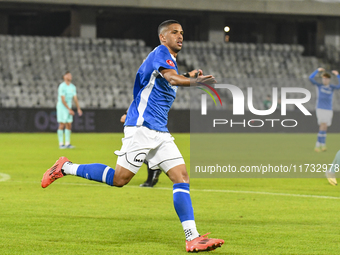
77 216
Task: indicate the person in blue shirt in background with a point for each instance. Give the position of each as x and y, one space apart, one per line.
324 104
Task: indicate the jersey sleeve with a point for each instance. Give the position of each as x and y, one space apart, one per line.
61 90
312 78
163 59
338 85
75 91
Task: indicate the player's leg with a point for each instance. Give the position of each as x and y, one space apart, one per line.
324 118
128 164
148 181
169 159
68 128
182 200
183 206
129 161
318 141
323 135
99 172
62 116
95 172
60 133
319 120
153 175
122 176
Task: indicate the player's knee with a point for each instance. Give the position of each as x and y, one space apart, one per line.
122 176
178 174
185 177
120 182
323 126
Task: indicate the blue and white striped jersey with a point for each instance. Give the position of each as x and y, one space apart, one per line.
153 94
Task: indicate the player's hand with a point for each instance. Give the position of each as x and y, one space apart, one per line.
80 112
335 72
205 79
195 73
71 112
122 119
320 69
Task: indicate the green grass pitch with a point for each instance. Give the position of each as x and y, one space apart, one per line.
77 216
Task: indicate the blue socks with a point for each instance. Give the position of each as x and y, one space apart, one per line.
184 210
322 137
182 201
97 172
181 192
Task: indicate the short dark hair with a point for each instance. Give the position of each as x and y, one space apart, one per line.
67 72
166 24
326 75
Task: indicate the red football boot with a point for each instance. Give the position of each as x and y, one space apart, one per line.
203 244
54 172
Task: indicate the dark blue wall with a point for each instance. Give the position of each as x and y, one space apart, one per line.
94 120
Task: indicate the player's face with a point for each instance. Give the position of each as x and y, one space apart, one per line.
326 81
68 77
173 37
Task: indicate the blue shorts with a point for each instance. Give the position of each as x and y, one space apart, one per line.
63 115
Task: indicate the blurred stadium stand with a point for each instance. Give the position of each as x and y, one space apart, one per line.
104 69
305 7
267 48
261 66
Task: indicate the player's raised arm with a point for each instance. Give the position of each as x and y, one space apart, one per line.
179 80
312 76
336 73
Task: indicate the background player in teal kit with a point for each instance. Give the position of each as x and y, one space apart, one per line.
66 93
334 168
324 104
146 135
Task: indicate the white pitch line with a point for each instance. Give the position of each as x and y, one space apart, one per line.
204 190
270 193
4 177
249 192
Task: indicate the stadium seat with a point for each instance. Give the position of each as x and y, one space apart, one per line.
104 69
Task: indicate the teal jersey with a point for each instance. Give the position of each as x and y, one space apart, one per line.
69 91
335 166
